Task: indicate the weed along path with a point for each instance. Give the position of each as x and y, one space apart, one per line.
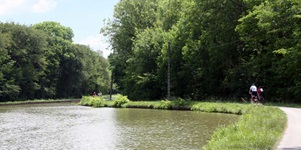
292 137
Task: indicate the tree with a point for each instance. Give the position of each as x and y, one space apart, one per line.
64 65
8 88
218 47
95 71
40 61
56 30
25 48
272 35
73 69
143 68
131 17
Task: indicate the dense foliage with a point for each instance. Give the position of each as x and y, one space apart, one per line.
219 48
40 61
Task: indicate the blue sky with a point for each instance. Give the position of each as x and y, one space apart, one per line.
85 17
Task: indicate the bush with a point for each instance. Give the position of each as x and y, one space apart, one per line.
85 101
164 104
120 100
97 101
92 101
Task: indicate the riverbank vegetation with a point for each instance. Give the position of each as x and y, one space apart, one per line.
259 127
39 101
42 62
99 101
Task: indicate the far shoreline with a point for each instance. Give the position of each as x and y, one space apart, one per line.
39 102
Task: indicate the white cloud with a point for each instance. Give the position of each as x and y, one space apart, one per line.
9 6
97 42
43 6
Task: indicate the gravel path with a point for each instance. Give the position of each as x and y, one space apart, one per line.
291 139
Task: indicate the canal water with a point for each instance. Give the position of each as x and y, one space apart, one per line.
69 126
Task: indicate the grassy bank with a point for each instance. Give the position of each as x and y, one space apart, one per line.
38 101
259 127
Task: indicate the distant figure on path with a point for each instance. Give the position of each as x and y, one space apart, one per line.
260 94
94 94
253 92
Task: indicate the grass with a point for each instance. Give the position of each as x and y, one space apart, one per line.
38 101
259 127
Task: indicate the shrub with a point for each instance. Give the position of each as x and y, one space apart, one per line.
97 101
85 101
92 101
164 104
120 100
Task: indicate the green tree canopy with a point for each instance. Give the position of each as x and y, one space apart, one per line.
40 61
219 48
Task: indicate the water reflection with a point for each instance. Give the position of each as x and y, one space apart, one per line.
68 126
163 129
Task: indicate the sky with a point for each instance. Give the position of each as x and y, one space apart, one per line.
84 17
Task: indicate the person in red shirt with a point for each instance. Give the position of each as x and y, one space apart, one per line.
260 94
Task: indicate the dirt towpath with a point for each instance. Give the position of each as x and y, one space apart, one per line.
291 139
